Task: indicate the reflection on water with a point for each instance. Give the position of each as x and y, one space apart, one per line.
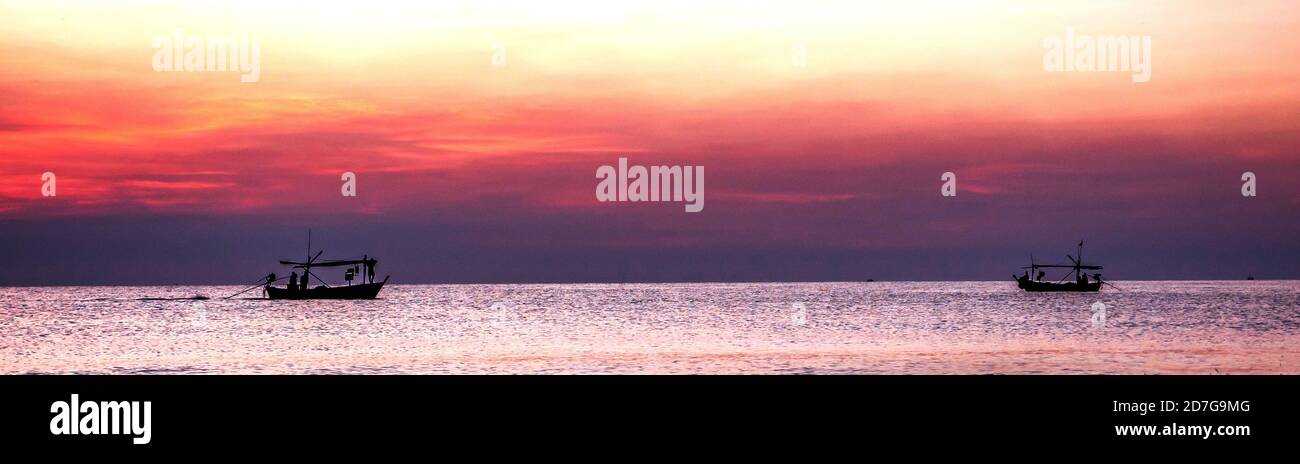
906 327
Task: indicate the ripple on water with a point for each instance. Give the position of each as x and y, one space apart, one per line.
792 328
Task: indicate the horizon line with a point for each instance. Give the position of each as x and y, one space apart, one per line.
659 282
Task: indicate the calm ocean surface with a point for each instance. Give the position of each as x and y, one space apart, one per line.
882 327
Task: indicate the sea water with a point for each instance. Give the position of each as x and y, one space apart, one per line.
1183 327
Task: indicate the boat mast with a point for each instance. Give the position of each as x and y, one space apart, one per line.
1079 262
306 271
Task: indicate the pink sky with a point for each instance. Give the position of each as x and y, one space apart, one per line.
887 97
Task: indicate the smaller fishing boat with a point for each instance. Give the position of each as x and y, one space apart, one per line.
1033 278
302 289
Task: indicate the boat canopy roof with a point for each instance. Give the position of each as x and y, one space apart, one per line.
332 262
1071 266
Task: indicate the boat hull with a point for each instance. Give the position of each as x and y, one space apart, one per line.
349 292
1035 286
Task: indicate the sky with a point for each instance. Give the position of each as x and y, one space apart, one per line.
475 130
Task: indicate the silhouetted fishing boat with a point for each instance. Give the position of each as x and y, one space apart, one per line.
363 291
1032 280
363 268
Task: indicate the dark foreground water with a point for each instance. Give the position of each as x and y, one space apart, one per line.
897 327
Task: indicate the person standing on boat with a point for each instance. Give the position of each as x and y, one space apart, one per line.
293 281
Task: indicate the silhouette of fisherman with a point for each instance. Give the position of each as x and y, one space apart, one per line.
370 268
1040 276
293 281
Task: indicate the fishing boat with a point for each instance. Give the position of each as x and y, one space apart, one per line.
367 289
363 268
1032 280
